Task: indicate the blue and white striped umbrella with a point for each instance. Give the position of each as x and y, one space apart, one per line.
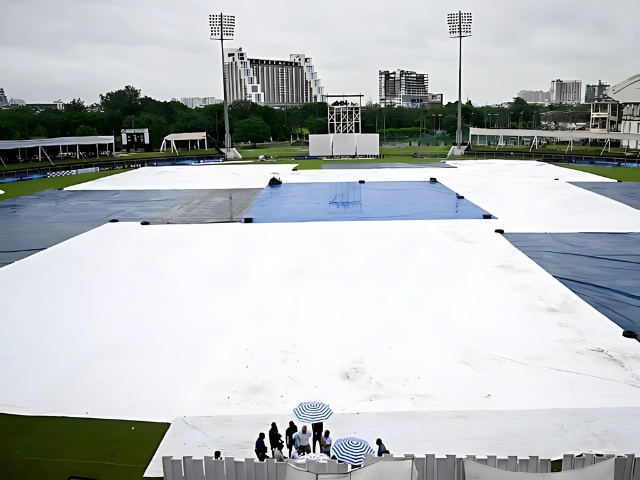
351 450
312 412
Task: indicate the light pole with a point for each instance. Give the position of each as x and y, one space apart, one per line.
222 28
459 27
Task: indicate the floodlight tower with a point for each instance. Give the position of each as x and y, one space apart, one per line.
222 28
459 27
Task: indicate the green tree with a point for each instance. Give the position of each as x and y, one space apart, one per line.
8 132
74 106
316 125
126 101
85 131
253 130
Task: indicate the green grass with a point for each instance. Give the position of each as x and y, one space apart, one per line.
55 448
17 189
408 151
625 174
284 152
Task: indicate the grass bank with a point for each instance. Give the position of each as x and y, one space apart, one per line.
624 174
17 189
56 448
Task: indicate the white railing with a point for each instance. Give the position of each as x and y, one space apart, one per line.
428 467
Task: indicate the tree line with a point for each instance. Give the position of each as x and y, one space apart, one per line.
249 122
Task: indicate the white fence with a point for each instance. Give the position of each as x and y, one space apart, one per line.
428 467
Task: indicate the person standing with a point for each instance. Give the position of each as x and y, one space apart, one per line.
302 440
317 434
274 437
325 444
289 435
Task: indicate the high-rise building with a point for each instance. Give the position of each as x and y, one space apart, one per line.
595 92
277 83
535 96
566 91
3 98
197 102
403 88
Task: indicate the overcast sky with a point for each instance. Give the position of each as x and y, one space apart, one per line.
80 48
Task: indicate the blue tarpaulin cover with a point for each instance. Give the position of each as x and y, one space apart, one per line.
601 268
353 201
623 192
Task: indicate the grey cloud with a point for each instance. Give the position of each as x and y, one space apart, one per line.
72 48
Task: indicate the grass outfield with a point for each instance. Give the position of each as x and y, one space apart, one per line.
55 448
17 189
625 174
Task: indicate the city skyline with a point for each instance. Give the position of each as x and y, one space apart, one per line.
81 49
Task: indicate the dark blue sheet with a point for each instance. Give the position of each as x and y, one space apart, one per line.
601 268
623 192
353 201
32 223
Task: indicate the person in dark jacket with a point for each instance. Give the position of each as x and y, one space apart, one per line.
381 448
261 448
274 437
289 436
317 429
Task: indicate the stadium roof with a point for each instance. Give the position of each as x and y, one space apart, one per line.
55 142
559 134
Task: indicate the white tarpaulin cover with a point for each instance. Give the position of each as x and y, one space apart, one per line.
437 315
599 471
461 432
189 177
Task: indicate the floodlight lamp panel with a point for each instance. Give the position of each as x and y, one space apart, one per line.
222 27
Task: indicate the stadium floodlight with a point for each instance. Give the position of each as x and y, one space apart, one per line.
222 28
459 27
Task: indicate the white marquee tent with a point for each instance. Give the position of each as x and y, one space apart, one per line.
183 137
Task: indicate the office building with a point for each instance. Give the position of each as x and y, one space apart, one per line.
403 88
566 91
3 98
605 115
277 83
435 100
593 93
627 93
535 96
199 102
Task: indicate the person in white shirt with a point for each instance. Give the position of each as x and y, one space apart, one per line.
277 454
303 440
325 443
